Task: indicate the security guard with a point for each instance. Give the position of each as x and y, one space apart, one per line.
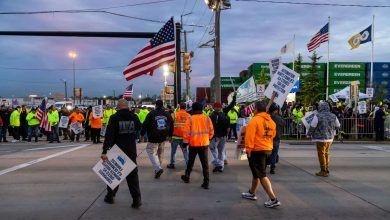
176 138
121 130
197 132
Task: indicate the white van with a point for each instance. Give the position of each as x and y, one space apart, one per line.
67 104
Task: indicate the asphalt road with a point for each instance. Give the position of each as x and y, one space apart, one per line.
55 181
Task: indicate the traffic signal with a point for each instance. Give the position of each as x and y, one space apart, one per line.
187 62
167 90
172 67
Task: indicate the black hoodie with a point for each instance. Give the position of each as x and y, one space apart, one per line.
157 125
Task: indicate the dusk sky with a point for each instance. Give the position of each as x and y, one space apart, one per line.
251 32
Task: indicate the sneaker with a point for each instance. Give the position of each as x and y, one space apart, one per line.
171 166
272 204
322 173
109 199
205 185
185 178
249 195
158 174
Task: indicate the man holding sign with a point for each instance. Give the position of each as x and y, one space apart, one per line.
121 131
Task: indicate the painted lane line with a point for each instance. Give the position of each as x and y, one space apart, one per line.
377 148
44 148
20 166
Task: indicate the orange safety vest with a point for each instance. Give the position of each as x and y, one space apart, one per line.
259 133
95 122
180 120
198 130
76 117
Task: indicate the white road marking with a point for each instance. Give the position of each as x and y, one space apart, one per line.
378 148
20 166
44 148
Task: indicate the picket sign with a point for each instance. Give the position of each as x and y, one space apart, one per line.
64 121
308 118
114 170
334 98
362 107
103 130
77 127
97 111
274 65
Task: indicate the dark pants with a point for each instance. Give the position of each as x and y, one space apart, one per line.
33 132
233 127
203 156
95 135
53 135
4 133
87 132
24 131
274 155
66 133
10 130
15 133
72 135
132 183
380 132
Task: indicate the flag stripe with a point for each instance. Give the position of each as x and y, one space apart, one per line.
319 38
152 51
150 60
150 67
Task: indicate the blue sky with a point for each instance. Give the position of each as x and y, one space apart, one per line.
250 32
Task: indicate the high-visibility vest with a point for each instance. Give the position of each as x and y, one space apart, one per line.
32 120
180 120
233 117
53 117
15 119
76 117
95 122
107 114
198 131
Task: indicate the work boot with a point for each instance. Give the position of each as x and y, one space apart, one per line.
185 178
171 166
205 185
322 173
109 199
158 174
136 203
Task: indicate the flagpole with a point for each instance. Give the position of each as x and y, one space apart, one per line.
293 60
327 69
372 53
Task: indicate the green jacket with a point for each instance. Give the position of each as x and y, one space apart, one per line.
142 115
53 117
233 116
107 114
31 119
15 119
298 114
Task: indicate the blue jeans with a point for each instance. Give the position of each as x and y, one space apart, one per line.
54 133
175 143
274 156
33 131
217 148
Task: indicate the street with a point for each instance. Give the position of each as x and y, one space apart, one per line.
42 181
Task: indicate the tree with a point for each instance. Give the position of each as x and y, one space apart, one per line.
380 95
263 77
311 88
298 69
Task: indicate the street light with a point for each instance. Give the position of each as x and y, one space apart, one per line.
73 56
217 6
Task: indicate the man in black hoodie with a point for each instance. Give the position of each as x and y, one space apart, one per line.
158 125
5 115
121 130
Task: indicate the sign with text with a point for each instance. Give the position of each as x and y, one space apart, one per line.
334 98
307 119
97 111
282 82
114 170
64 121
362 107
260 88
247 91
370 92
77 127
274 65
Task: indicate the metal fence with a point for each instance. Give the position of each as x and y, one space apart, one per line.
351 129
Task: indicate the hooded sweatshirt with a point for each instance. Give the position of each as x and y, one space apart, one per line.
323 125
259 133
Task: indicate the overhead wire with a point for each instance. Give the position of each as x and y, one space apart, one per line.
316 4
58 69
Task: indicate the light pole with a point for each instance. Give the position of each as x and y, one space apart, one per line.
217 6
66 90
73 56
166 73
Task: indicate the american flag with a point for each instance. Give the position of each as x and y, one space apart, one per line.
159 51
42 116
320 37
249 109
129 92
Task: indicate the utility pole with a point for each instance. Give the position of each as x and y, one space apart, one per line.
217 57
187 72
66 91
177 78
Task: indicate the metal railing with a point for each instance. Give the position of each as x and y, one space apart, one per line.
351 129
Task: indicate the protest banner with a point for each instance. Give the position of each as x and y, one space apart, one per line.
281 84
114 170
103 130
362 107
334 98
308 118
370 92
77 127
274 65
247 91
97 111
64 121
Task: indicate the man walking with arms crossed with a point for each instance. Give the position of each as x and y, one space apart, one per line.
259 136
